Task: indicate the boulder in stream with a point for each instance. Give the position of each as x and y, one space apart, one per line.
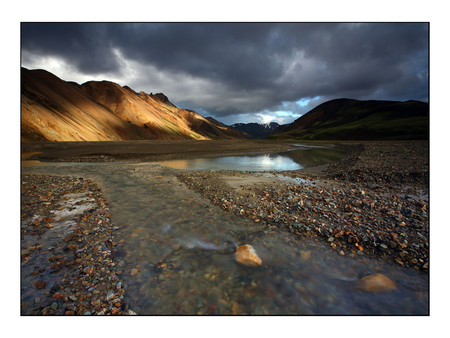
376 283
246 255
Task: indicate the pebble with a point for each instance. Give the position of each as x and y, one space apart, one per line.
305 255
89 270
41 284
109 295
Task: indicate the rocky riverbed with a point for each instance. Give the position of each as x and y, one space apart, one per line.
373 202
68 249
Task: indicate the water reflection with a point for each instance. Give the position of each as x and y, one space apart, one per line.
290 160
310 157
253 163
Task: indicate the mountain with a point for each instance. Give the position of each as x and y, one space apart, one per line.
230 130
347 119
256 130
56 110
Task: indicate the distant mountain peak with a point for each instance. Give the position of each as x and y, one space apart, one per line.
256 130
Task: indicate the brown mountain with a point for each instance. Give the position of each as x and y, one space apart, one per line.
222 126
56 110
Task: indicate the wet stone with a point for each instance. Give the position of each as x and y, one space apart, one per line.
246 255
376 283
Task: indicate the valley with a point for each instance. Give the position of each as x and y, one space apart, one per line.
131 205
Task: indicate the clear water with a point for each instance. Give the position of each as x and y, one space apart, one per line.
64 214
289 160
177 257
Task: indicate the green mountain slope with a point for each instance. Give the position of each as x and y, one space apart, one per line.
346 119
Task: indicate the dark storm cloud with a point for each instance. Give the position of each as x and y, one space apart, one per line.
237 54
249 67
86 46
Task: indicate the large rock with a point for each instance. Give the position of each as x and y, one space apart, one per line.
246 255
376 283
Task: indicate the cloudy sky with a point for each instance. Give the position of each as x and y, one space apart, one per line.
239 72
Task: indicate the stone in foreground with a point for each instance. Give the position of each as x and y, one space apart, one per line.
246 255
376 283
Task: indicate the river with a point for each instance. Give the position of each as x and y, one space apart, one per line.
178 255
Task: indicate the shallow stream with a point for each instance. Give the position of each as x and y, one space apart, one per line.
178 255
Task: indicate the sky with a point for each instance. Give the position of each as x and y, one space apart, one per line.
239 72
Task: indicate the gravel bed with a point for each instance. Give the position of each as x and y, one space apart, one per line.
68 249
373 202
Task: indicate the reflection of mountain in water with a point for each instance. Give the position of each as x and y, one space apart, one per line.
290 160
315 156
